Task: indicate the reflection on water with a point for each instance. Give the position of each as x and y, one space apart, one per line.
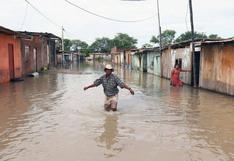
109 136
52 118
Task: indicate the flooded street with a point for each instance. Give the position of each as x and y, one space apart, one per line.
51 118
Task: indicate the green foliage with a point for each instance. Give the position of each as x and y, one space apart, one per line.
124 41
214 36
167 37
147 45
102 45
67 45
78 45
188 36
154 40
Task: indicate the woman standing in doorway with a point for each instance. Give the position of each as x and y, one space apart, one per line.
175 76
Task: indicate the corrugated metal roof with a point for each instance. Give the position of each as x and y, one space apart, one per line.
49 35
6 31
219 41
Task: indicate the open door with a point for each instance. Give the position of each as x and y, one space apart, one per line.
11 61
197 67
144 62
35 59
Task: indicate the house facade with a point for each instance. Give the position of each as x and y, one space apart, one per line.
10 55
217 66
38 51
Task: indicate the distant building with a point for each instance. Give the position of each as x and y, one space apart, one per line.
147 60
116 56
122 57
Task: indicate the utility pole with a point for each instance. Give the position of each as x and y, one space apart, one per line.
160 34
62 44
194 76
159 26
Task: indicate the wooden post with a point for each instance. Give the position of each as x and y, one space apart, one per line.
194 76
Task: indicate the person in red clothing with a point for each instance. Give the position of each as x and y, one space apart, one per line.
175 76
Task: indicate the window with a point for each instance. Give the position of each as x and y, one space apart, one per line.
178 62
26 53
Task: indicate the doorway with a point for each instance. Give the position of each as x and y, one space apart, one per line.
11 61
144 62
197 67
35 59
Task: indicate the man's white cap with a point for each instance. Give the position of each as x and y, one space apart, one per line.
108 66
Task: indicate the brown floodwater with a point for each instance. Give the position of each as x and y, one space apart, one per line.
51 118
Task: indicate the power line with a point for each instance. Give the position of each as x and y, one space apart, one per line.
107 18
25 15
48 19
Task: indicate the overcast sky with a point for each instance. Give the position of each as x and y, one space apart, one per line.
210 16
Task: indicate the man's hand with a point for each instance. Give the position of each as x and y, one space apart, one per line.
85 88
131 91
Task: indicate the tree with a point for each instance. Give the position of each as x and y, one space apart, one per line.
102 45
78 45
167 37
154 40
147 45
124 41
67 45
214 36
188 36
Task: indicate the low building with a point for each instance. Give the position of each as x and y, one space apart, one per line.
39 51
10 55
180 54
147 60
136 61
217 66
116 57
99 56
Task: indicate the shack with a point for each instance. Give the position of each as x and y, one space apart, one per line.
147 60
39 51
10 55
217 66
116 56
181 54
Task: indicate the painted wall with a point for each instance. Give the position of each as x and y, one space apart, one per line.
157 65
136 62
35 61
167 65
186 56
4 57
217 67
169 57
116 58
150 62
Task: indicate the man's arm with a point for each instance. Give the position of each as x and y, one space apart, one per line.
95 84
123 85
90 86
128 88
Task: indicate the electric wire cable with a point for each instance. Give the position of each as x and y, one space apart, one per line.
25 16
107 18
48 19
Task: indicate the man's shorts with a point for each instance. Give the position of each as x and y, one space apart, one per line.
111 103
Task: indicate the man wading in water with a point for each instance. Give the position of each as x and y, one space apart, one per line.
110 82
